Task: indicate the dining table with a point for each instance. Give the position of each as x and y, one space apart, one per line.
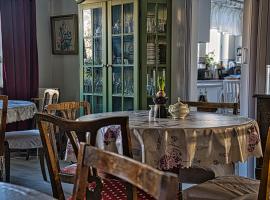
16 192
18 110
201 139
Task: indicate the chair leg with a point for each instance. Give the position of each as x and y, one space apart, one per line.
42 163
27 154
7 161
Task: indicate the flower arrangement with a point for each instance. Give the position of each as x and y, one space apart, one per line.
209 59
160 97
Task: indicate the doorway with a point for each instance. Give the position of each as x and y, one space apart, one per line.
231 51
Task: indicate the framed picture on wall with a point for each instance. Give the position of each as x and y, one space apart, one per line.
64 31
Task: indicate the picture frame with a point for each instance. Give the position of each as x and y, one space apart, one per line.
64 33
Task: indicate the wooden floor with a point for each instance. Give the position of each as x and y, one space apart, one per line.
27 173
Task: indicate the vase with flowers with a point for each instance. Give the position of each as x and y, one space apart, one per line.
160 100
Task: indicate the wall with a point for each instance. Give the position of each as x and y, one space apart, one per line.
60 71
43 9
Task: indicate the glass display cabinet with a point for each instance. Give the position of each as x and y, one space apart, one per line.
155 48
112 67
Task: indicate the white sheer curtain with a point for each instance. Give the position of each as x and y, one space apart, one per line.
226 19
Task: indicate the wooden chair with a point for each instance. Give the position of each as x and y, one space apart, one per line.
196 175
46 96
46 124
70 111
213 107
235 187
158 184
29 139
4 101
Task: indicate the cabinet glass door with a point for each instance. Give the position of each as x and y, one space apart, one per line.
93 55
122 58
155 49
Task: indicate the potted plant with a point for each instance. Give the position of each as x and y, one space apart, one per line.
160 100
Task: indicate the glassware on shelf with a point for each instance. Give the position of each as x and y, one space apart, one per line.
117 83
98 83
87 23
97 51
151 24
97 19
128 50
162 18
116 50
128 18
151 84
88 80
116 19
128 81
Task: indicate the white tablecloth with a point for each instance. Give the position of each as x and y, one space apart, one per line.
201 139
19 110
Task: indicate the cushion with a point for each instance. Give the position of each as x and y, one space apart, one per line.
114 189
223 188
27 139
70 169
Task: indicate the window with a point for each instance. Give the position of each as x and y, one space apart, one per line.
215 44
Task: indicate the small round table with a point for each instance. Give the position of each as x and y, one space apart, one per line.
201 139
19 110
15 192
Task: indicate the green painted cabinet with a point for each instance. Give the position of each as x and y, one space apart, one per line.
155 46
116 69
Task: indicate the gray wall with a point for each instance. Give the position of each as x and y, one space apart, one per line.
60 71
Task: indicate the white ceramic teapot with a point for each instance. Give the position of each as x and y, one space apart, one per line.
179 110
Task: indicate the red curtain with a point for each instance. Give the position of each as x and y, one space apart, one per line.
20 57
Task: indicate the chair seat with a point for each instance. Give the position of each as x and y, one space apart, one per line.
27 139
70 169
115 190
112 189
224 188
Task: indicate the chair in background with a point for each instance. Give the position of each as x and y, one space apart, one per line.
4 103
196 175
46 96
29 139
235 187
70 111
212 106
231 91
158 184
47 124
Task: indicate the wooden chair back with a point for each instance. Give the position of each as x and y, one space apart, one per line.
82 131
4 100
69 110
264 190
160 185
212 107
51 96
